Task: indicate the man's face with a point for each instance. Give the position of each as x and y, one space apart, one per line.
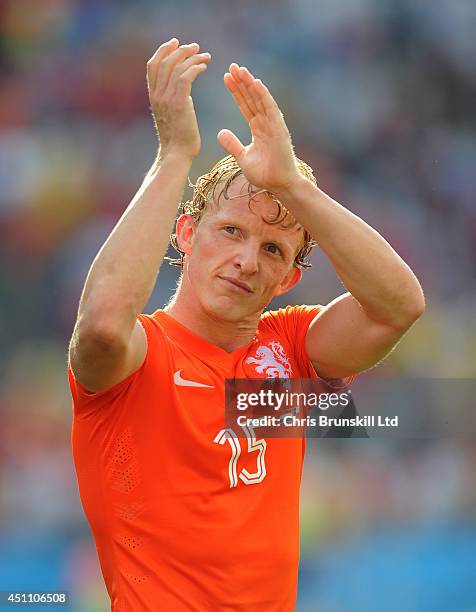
236 262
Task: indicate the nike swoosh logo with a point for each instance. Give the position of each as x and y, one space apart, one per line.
182 382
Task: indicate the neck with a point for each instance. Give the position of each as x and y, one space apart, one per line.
228 335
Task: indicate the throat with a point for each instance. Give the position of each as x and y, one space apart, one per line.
233 340
227 335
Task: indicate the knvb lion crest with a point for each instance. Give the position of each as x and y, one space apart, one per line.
271 360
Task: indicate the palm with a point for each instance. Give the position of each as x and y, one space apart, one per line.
255 161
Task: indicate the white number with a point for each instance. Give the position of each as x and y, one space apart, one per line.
253 445
230 436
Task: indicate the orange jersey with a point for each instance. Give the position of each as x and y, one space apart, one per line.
184 516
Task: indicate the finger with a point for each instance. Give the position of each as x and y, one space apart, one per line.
231 143
185 80
258 92
258 99
236 73
168 64
181 67
232 87
246 76
255 92
154 62
164 49
265 99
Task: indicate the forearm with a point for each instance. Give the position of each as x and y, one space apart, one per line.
368 266
124 272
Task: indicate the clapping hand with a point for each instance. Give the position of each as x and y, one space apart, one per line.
171 72
268 162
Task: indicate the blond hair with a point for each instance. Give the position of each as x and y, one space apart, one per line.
224 172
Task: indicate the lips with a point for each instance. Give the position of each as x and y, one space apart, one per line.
236 283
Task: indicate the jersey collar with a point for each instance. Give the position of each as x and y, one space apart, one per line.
195 343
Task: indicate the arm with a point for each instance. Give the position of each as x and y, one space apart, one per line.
108 343
357 329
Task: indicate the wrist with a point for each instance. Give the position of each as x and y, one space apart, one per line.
291 189
179 156
174 156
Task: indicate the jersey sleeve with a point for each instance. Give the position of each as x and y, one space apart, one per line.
292 323
87 402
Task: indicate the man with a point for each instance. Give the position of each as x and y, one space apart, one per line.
185 514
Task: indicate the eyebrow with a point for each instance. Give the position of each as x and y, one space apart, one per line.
283 246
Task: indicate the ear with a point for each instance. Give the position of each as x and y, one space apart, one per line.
185 231
291 279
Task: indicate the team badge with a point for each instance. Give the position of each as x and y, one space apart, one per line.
271 360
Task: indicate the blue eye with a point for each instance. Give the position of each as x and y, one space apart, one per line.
229 229
272 248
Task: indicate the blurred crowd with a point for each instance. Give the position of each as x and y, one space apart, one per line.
379 98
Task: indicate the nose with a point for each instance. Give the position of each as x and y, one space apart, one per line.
246 260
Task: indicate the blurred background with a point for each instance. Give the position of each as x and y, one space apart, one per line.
379 96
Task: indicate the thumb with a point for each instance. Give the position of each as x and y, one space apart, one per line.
231 144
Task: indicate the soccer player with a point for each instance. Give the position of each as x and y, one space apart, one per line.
186 514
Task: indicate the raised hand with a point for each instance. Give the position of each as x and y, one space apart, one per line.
170 74
268 162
